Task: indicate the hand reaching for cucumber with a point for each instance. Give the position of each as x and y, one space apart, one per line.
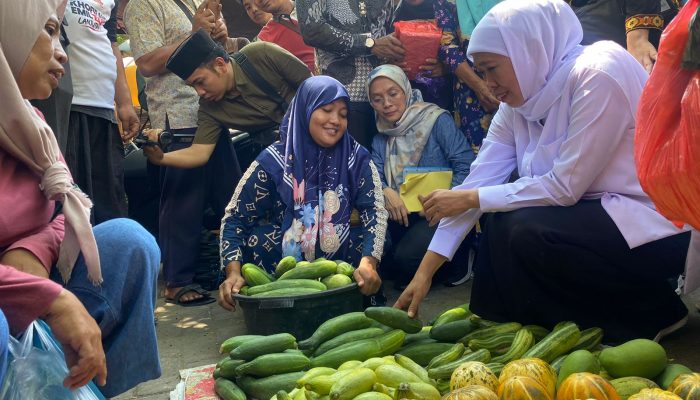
416 291
230 286
366 276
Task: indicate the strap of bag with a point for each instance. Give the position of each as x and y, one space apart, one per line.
184 9
249 70
286 21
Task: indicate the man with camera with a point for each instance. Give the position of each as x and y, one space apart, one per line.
156 28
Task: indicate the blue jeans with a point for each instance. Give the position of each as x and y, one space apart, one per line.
4 338
123 305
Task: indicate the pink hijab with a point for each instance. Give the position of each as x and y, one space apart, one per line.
25 135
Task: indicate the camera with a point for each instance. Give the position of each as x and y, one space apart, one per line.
164 139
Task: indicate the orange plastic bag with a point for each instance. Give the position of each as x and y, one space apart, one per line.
421 40
667 140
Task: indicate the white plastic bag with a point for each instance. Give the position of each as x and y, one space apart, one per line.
38 368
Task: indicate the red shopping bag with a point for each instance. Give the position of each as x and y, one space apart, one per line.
421 40
667 139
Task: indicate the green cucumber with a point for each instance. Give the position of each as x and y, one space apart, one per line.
590 339
491 331
450 355
451 315
288 292
451 331
336 280
255 275
265 345
521 343
414 367
537 331
286 284
334 327
422 353
315 270
361 350
498 344
284 265
265 388
445 371
233 342
228 390
395 318
273 364
348 337
558 342
227 369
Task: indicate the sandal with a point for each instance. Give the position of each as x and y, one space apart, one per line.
195 287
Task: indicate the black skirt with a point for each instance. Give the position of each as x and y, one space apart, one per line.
542 265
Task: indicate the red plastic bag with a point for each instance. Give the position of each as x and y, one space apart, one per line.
421 40
667 140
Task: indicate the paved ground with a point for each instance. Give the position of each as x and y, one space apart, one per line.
190 337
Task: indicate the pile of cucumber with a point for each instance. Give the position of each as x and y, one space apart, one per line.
292 278
382 354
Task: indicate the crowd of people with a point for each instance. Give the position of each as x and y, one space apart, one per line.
530 105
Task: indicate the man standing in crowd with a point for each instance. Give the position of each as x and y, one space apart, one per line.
255 14
231 97
350 37
283 30
156 28
95 149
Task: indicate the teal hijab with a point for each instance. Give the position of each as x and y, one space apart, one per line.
470 12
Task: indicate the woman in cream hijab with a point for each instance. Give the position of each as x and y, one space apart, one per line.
574 237
109 273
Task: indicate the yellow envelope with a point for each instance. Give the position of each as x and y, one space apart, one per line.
422 184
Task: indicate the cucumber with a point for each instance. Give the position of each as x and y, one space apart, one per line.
411 338
217 373
537 331
315 270
288 292
345 269
451 331
417 391
450 355
227 369
348 337
451 315
556 363
445 371
464 306
243 291
414 367
255 275
314 372
233 342
228 390
522 342
336 280
590 339
422 353
282 395
558 342
562 324
389 391
361 350
265 345
264 388
443 386
498 344
358 381
273 364
285 265
393 375
373 396
482 323
334 327
394 318
485 333
286 284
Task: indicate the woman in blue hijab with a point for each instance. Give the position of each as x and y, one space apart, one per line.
298 196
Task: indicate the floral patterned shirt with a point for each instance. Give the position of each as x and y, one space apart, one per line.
256 201
338 30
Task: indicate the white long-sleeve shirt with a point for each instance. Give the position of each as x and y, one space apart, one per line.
583 150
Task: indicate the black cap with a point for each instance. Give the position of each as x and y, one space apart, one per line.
191 54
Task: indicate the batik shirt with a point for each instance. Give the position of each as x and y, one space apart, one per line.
338 31
256 202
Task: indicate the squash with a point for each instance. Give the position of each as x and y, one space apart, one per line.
686 386
523 388
585 385
654 394
533 368
473 373
471 392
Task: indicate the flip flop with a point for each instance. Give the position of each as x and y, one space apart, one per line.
206 299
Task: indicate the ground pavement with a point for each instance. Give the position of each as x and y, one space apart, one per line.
190 337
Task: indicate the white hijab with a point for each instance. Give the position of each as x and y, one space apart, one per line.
25 136
542 38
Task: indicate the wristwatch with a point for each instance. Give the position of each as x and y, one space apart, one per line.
369 42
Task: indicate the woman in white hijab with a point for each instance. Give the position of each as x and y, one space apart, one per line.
108 273
574 237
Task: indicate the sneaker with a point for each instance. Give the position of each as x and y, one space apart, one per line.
670 329
463 277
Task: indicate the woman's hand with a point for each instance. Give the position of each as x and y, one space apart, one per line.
443 203
434 67
466 75
230 286
395 206
388 48
416 291
81 340
366 276
487 100
25 261
639 46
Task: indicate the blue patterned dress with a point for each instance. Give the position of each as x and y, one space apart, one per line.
471 118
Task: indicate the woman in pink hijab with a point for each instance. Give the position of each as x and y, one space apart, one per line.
104 303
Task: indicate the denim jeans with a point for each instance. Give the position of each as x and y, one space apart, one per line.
4 337
123 305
